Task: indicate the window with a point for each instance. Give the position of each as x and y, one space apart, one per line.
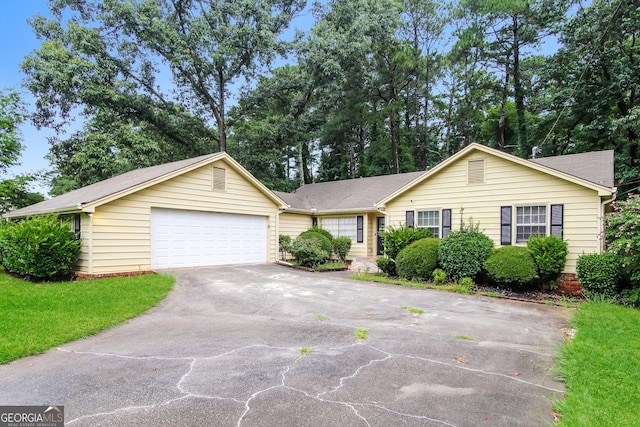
74 225
219 179
430 220
475 171
342 227
530 221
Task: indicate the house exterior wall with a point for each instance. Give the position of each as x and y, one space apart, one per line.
292 224
118 233
505 184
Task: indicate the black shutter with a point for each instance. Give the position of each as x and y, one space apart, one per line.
409 218
557 220
505 225
446 222
314 221
360 228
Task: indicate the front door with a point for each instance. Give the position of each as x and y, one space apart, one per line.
380 247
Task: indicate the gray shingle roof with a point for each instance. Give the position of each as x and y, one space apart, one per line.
94 192
596 166
349 194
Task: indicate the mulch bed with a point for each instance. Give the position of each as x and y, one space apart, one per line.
531 295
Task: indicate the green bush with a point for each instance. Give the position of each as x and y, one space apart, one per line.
341 247
308 252
322 231
439 276
462 253
387 266
418 260
284 243
599 274
396 239
510 266
466 283
39 248
324 241
550 255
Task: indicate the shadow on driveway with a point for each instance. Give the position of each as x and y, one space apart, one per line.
264 345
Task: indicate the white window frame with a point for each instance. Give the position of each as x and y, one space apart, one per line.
425 219
530 221
344 226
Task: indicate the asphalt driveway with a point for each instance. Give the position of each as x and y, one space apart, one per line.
265 345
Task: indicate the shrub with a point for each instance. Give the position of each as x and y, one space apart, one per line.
308 252
322 231
284 243
462 253
466 282
439 276
550 255
510 266
397 238
39 247
599 274
341 247
418 260
387 266
324 241
622 235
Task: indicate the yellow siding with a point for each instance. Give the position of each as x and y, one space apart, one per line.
506 184
121 238
293 224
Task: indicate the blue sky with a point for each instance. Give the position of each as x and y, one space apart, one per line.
17 41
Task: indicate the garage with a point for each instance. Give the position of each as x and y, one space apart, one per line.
182 238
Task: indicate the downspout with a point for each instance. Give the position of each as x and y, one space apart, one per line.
602 214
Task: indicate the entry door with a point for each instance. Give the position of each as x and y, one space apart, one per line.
380 228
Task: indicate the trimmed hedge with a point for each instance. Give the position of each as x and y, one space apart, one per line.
510 266
462 253
40 248
309 251
418 260
341 247
326 243
599 274
550 255
322 231
387 266
396 239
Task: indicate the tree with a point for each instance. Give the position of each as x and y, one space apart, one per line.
167 65
14 192
592 85
12 114
273 129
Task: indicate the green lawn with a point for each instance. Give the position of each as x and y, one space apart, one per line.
601 368
37 317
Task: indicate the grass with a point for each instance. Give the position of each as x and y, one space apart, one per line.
413 310
465 337
321 317
362 334
37 317
305 350
330 266
601 368
381 278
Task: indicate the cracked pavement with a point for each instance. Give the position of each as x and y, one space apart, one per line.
265 345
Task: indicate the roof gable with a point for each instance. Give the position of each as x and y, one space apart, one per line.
580 176
87 198
360 194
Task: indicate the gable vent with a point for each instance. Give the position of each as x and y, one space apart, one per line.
219 179
475 171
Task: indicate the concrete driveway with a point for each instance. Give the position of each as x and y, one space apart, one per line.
265 345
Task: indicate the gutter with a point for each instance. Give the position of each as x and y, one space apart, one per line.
603 203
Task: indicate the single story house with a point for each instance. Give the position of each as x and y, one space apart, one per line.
509 197
209 210
206 210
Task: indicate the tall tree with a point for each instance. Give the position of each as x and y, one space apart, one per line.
167 63
592 85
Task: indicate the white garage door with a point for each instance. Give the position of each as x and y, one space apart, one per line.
192 239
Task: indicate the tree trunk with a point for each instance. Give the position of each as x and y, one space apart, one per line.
502 124
518 92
